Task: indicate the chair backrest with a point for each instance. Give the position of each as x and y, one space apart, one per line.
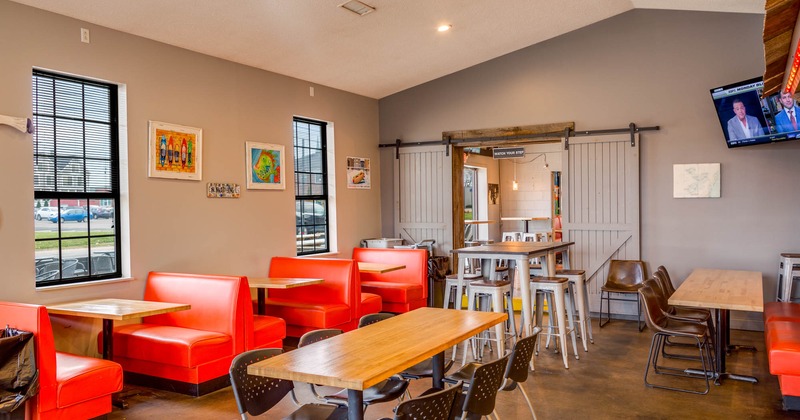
34 318
653 314
415 260
511 236
434 406
256 394
530 237
215 300
370 319
665 280
520 358
625 272
312 337
483 388
661 298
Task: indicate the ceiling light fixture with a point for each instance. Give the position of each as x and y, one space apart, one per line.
444 28
514 184
357 7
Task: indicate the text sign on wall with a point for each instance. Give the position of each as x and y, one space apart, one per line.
508 152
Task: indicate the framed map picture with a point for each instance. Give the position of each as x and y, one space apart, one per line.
697 180
175 151
265 166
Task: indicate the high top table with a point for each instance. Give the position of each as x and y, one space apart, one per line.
722 290
360 358
521 252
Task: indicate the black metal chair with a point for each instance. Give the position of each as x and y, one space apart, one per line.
516 371
625 277
387 390
483 381
433 404
256 394
370 319
664 327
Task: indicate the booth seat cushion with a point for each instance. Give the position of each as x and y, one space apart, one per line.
783 347
783 311
319 315
81 379
394 292
268 331
370 303
171 345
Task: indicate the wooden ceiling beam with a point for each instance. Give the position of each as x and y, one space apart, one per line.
779 23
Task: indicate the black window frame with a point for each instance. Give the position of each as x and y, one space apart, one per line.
318 199
54 196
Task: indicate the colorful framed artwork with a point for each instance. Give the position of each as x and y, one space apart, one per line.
175 151
265 166
222 190
358 173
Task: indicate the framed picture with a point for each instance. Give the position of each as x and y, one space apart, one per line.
265 166
175 151
358 173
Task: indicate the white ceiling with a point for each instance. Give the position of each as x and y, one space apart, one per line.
386 51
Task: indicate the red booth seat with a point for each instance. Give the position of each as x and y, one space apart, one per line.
401 290
782 336
261 331
70 386
335 303
187 351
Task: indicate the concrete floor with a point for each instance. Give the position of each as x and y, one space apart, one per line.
606 383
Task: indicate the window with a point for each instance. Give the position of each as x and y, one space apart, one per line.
75 179
311 187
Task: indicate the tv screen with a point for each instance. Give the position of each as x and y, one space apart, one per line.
747 118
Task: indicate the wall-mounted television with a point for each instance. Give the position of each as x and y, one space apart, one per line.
747 118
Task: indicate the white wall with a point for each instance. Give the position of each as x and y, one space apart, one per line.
651 67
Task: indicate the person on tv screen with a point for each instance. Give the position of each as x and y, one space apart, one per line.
786 120
743 126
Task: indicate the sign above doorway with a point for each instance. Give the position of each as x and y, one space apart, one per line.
508 152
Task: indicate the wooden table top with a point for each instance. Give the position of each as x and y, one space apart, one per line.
380 268
280 282
478 222
514 248
721 289
525 218
116 309
363 357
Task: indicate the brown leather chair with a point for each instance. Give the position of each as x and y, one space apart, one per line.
665 327
661 277
625 277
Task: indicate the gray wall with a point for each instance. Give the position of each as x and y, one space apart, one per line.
173 226
652 68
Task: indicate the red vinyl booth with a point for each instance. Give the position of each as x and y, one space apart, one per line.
261 331
401 290
187 351
336 303
70 386
782 336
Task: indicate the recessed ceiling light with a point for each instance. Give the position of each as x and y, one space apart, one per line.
357 7
444 28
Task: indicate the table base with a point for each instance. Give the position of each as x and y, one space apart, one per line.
722 340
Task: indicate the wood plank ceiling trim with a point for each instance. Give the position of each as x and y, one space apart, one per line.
779 23
512 135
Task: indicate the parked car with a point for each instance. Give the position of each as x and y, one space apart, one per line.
306 217
102 212
70 215
46 213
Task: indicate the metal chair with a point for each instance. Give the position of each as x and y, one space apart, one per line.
433 404
625 277
370 319
682 312
483 383
256 394
387 390
516 371
664 327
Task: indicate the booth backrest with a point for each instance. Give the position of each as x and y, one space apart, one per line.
342 284
415 260
215 301
34 318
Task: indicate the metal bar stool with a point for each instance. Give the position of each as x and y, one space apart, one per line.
558 287
497 290
789 265
577 288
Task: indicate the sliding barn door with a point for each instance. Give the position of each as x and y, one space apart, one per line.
600 194
423 196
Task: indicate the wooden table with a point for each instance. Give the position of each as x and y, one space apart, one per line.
380 268
364 357
110 310
722 290
521 252
263 283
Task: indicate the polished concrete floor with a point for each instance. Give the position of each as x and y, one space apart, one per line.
606 383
